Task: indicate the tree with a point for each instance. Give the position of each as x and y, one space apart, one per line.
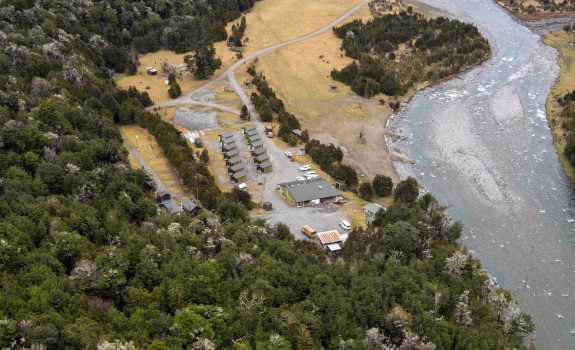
382 185
174 91
203 63
365 191
407 190
244 114
204 156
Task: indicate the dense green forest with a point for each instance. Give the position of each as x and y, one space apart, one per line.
85 262
433 49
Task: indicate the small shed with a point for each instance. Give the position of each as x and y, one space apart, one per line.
190 207
301 152
258 151
249 127
236 168
267 206
225 136
246 84
329 240
261 158
297 132
229 147
265 167
340 185
239 176
371 209
333 88
250 132
229 139
232 154
233 161
257 144
152 71
198 142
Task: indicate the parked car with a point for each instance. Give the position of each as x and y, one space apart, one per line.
308 231
288 154
345 224
299 178
304 167
309 173
312 176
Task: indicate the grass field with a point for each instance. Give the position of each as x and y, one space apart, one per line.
564 83
149 149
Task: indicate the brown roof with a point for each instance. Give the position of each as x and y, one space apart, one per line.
328 237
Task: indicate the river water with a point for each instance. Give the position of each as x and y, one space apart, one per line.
482 145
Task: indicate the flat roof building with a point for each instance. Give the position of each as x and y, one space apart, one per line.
330 240
308 192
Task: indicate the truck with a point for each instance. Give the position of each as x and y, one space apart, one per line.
308 231
269 131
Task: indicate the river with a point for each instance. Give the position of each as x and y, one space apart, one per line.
482 145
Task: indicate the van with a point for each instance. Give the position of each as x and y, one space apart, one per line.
345 224
308 231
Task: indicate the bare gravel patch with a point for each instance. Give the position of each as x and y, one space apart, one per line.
196 119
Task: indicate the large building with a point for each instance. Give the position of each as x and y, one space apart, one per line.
308 192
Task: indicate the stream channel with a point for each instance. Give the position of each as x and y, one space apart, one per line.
483 146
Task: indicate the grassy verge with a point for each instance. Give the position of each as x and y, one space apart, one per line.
564 83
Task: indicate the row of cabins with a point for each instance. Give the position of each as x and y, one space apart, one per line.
256 147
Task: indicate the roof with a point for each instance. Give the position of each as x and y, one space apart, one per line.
233 152
259 150
163 192
333 247
189 204
266 164
252 132
373 207
237 167
254 137
328 237
258 143
307 190
250 127
172 206
229 139
229 146
262 157
226 135
297 132
239 175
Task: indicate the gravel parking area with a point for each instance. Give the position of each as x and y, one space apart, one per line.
196 119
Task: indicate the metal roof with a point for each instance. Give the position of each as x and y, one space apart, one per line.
226 135
250 127
259 151
262 157
172 206
163 192
229 146
333 247
266 164
328 237
254 137
307 190
233 152
239 175
189 204
258 143
373 207
252 132
229 139
237 167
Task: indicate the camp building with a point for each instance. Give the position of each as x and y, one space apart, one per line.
249 127
261 158
239 176
308 192
329 240
265 167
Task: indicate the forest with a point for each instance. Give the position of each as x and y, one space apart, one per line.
86 262
396 51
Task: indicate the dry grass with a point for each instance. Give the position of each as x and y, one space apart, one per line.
149 149
564 83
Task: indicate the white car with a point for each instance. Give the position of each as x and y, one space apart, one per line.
288 154
304 167
345 224
309 173
312 176
299 178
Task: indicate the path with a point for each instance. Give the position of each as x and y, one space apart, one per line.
132 149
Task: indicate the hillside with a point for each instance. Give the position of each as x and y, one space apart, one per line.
86 262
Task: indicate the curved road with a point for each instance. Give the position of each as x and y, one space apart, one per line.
230 72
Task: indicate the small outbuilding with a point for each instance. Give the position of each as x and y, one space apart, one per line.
236 168
257 144
239 176
190 207
261 158
234 153
246 84
249 128
265 167
297 132
258 151
226 147
249 133
371 209
163 195
333 88
164 201
233 161
198 142
254 138
225 136
329 240
152 71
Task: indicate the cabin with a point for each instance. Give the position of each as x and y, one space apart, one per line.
233 161
258 151
236 168
371 209
163 195
249 128
308 192
225 136
297 132
265 167
190 207
261 158
235 153
254 138
226 147
165 202
249 133
257 144
239 176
